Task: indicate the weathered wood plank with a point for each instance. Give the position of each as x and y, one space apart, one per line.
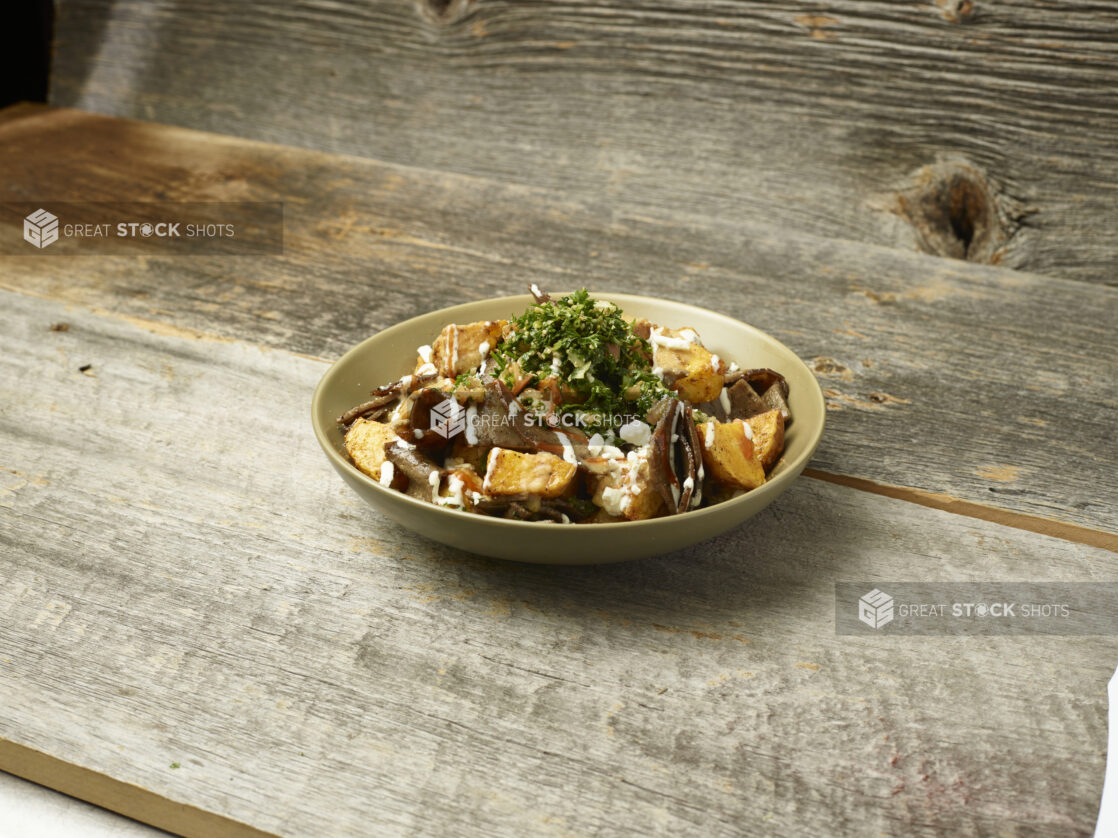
186 581
992 386
821 118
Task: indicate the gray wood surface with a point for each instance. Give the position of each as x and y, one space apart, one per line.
987 385
186 582
970 129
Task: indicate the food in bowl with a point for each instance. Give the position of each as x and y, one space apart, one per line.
571 412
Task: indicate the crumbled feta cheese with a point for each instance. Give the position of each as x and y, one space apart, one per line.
635 432
612 500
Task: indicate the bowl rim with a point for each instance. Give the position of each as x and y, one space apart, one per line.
776 485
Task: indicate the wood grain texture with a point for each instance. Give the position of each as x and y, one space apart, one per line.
992 386
831 119
182 566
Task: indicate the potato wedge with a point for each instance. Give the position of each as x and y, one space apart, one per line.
365 441
768 436
627 491
458 347
512 473
729 455
686 365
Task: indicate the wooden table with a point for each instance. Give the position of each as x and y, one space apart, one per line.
201 627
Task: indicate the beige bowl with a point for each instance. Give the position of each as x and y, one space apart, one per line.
390 354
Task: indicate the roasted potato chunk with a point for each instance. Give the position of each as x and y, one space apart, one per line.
512 473
365 441
627 492
729 455
768 436
458 347
688 367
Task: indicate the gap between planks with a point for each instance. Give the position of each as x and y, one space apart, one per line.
970 509
126 799
934 500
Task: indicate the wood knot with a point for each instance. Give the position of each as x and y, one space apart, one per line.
956 11
830 368
444 12
955 213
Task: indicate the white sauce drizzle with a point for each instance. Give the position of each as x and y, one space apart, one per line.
454 487
657 338
471 425
724 400
434 479
425 353
387 472
710 435
568 449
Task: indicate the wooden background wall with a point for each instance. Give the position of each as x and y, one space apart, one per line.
968 128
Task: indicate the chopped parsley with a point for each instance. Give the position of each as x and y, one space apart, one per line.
591 352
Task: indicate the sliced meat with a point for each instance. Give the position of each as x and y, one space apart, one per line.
738 401
414 465
692 460
760 379
382 397
661 458
674 454
775 399
419 420
501 423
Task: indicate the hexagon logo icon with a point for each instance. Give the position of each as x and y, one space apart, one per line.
40 228
448 418
875 609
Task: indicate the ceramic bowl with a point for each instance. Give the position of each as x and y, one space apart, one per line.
387 356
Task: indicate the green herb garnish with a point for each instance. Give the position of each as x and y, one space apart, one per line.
602 367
